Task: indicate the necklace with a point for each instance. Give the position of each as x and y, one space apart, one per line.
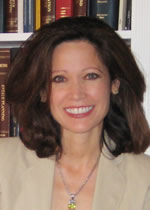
72 201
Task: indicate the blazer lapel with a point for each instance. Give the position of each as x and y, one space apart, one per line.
37 186
110 184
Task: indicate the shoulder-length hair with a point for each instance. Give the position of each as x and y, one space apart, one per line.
30 76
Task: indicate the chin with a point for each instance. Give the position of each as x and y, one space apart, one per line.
80 129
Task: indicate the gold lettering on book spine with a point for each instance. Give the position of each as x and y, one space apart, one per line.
3 65
2 103
49 5
63 11
81 3
11 5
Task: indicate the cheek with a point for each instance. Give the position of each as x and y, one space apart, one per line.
56 99
101 92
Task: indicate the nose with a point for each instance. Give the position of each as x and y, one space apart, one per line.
77 90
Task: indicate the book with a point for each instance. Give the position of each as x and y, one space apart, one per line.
122 14
4 107
47 11
87 7
28 15
11 16
14 125
20 16
128 15
37 17
64 8
107 11
80 7
1 16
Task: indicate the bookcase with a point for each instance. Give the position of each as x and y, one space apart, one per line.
139 36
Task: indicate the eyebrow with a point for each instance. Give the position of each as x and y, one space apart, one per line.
92 67
85 69
59 71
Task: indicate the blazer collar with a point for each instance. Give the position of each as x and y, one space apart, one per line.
110 183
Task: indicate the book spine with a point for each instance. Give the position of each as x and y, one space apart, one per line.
20 16
128 15
28 17
1 16
14 125
37 14
25 15
107 11
11 14
80 7
122 14
4 107
31 15
47 11
64 8
88 7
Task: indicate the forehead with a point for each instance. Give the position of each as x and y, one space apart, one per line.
76 54
75 45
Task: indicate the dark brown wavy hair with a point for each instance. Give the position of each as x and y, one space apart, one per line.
30 76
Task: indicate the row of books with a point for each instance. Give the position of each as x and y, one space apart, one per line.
20 16
8 125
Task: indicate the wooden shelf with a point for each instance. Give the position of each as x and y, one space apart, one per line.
12 37
9 40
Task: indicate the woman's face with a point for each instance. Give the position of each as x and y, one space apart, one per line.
81 87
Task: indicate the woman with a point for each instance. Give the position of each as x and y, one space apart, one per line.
77 94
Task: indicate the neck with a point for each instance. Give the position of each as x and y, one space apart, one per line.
80 149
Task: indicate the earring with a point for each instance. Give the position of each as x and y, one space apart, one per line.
116 91
43 100
43 96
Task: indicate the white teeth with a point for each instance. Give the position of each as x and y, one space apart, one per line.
80 110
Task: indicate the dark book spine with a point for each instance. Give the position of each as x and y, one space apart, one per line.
64 8
25 15
80 7
4 107
14 125
1 16
11 16
88 7
29 15
107 11
128 15
47 11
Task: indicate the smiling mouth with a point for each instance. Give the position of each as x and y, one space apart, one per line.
79 110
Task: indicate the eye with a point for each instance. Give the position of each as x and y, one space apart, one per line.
92 76
58 79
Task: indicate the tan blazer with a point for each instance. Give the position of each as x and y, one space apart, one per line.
26 182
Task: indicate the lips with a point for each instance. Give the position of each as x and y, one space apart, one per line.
79 111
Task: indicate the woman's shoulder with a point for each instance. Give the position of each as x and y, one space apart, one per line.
136 166
12 150
11 145
138 160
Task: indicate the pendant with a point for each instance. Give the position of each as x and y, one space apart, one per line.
72 202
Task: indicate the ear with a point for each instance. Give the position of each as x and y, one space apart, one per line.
43 96
115 86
